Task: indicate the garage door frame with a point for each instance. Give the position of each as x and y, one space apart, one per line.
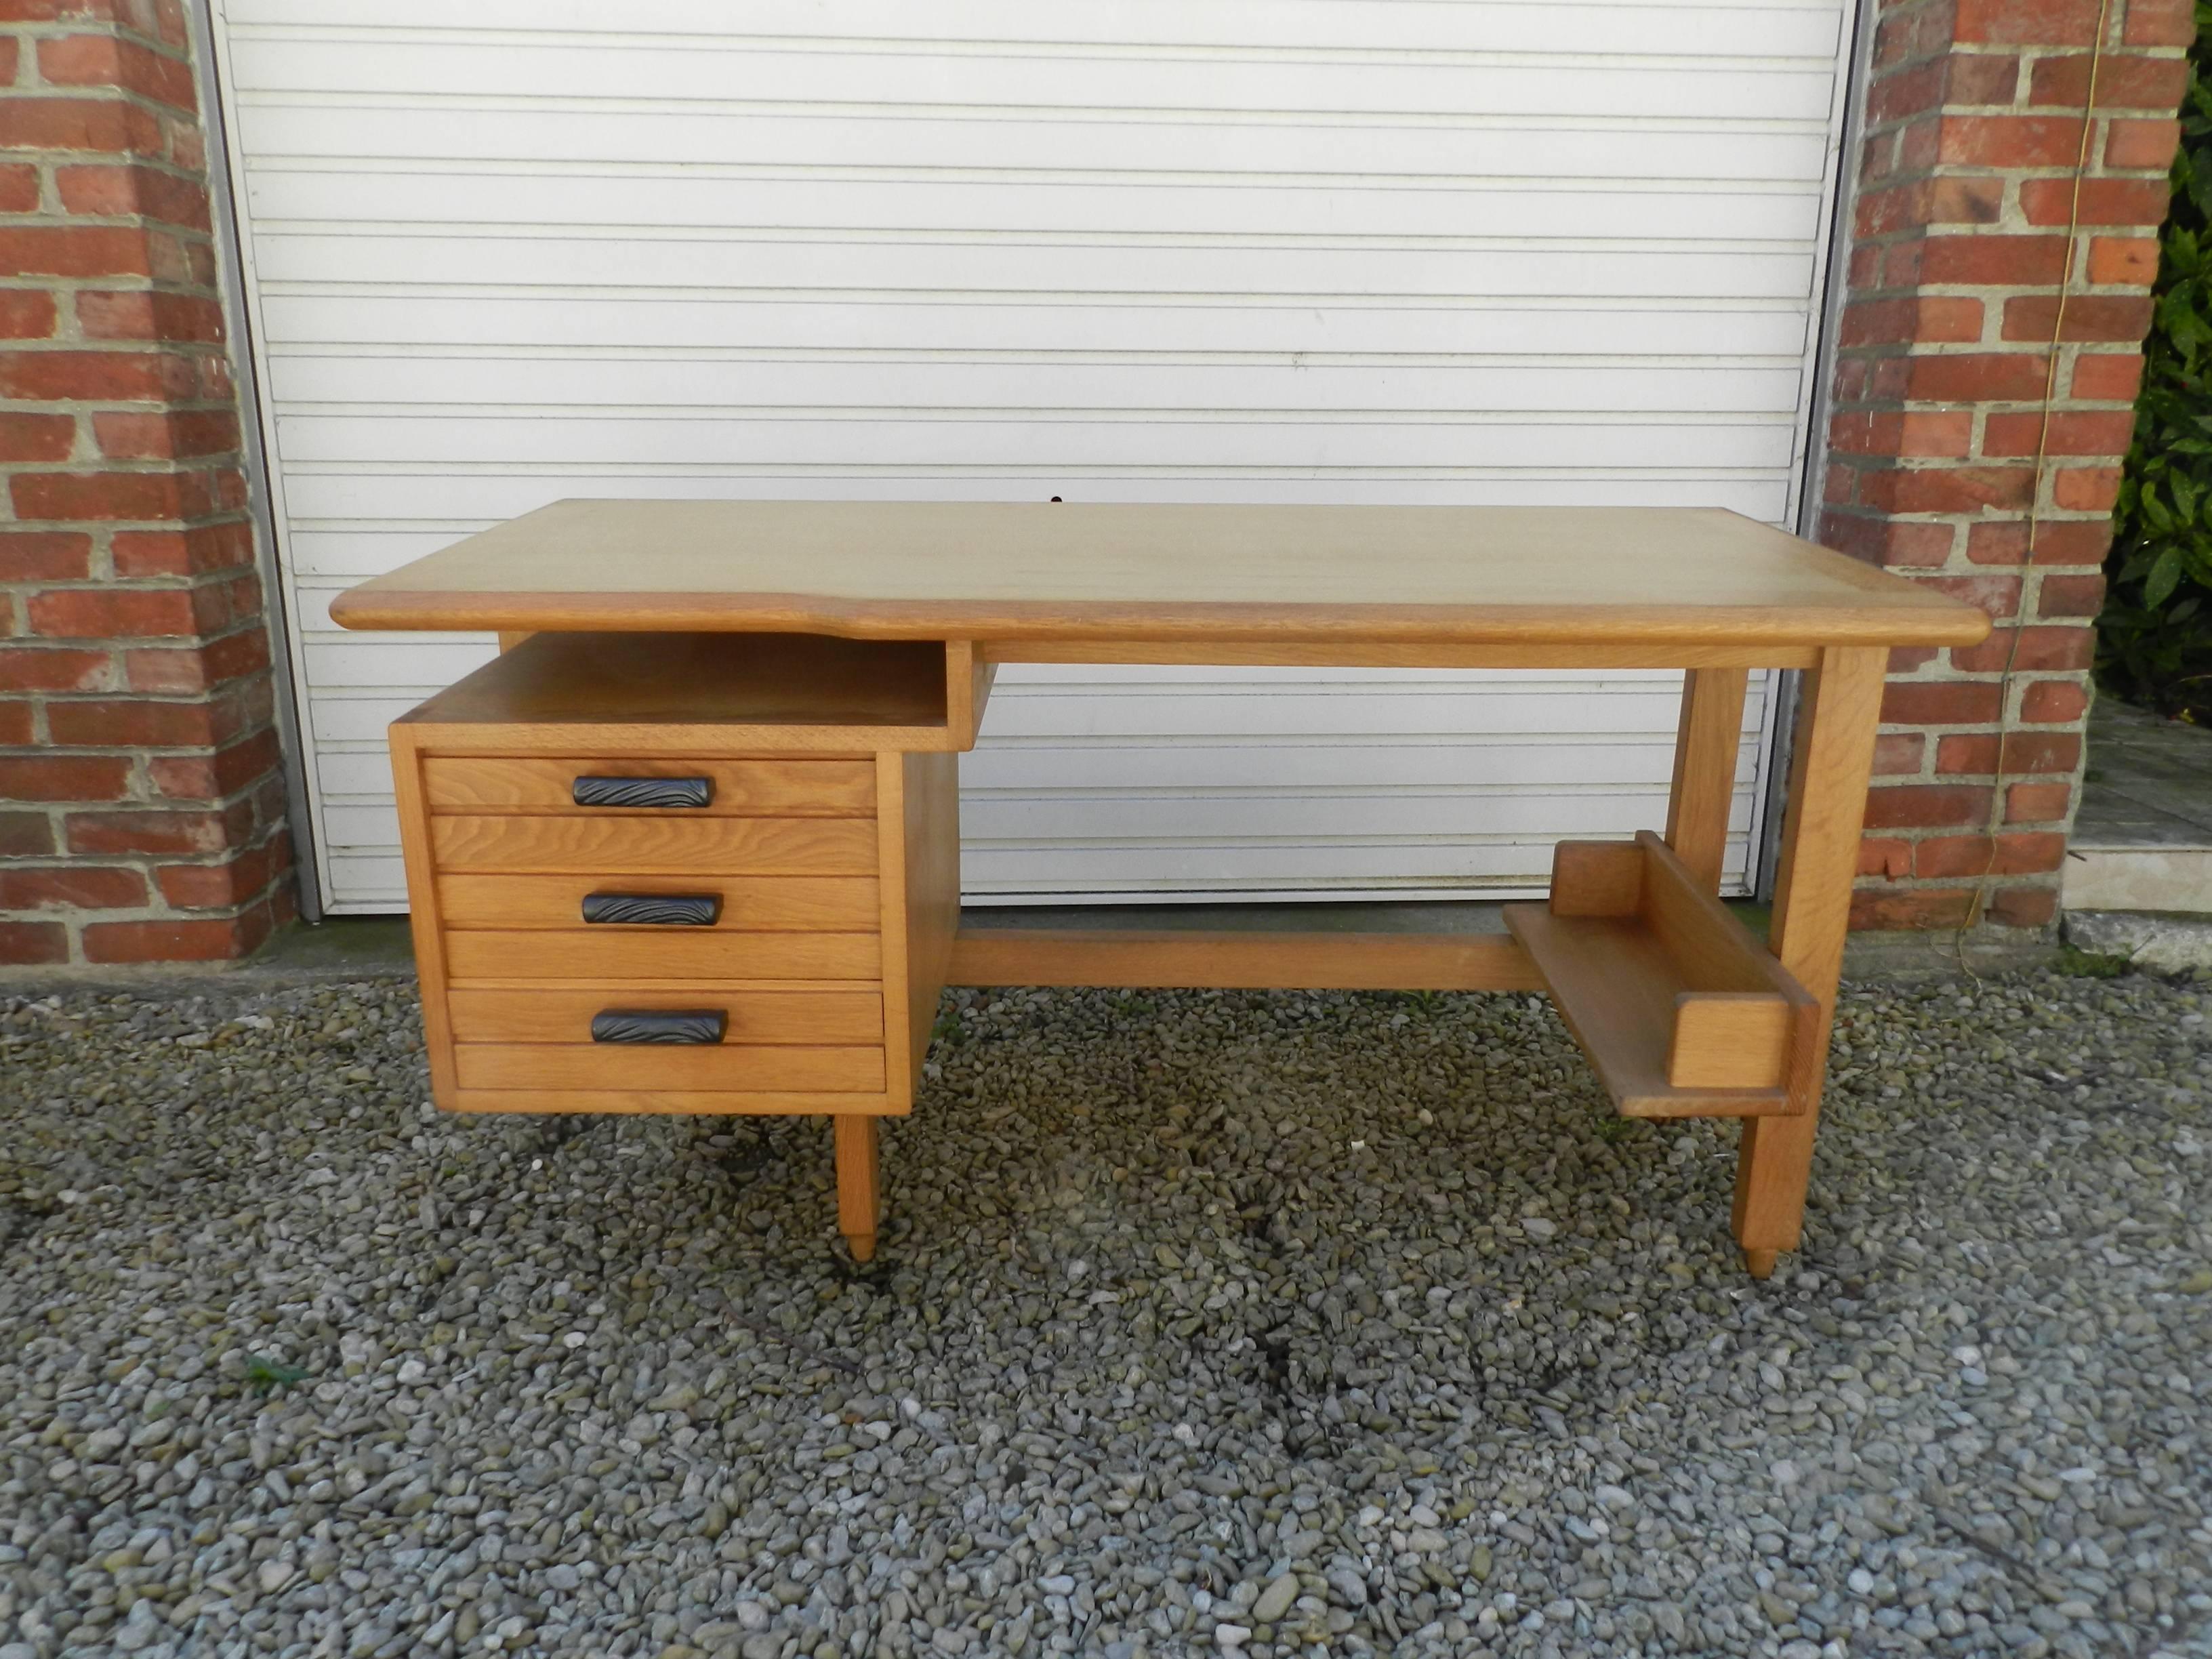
233 283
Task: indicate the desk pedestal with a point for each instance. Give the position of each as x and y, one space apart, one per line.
719 873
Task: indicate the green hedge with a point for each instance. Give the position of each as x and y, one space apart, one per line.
2155 638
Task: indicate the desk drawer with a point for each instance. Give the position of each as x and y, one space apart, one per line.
846 904
563 1013
735 788
695 953
709 1066
612 846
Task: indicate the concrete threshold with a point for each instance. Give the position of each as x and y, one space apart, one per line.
2143 840
2168 943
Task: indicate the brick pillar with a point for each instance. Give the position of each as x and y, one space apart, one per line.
1974 126
141 799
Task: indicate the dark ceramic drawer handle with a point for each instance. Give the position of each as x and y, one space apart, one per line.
659 1025
654 909
642 792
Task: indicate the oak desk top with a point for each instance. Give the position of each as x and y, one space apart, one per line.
1318 574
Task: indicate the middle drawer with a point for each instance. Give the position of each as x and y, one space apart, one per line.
748 903
604 845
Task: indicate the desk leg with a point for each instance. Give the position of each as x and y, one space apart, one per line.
860 1190
1834 759
1706 750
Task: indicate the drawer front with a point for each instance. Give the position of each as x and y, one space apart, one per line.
747 788
713 1067
659 953
612 845
563 1014
748 903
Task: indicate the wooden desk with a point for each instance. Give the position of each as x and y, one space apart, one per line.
787 683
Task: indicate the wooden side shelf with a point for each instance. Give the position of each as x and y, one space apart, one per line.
1681 1011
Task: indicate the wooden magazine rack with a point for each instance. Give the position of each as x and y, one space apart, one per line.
1681 1011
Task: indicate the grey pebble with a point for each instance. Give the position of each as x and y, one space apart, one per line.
1275 1601
1351 1589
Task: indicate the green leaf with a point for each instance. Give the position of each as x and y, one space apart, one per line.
2155 638
2165 575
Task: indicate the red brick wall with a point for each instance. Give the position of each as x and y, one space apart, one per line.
141 798
1975 122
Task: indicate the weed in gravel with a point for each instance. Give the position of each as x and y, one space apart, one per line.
2090 964
266 1376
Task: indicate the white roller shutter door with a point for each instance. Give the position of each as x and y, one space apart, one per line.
500 252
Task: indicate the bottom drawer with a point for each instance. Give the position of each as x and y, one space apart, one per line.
563 1014
711 1067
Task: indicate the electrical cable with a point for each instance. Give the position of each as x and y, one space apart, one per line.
1995 816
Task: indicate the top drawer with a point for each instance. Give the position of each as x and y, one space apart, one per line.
734 788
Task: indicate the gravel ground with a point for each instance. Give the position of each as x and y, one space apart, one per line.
1296 1324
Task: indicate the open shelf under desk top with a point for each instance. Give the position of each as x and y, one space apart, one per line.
1315 575
788 689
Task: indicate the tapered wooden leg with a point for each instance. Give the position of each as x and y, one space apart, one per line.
1834 759
1706 750
859 1191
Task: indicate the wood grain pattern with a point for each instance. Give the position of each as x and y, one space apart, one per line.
1013 570
891 883
611 847
1238 961
1615 988
931 834
424 924
657 740
1839 712
561 1014
1692 1017
787 1103
830 904
741 788
688 692
686 953
1704 789
859 1183
629 1065
1712 949
1731 1040
1596 879
968 677
1250 654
